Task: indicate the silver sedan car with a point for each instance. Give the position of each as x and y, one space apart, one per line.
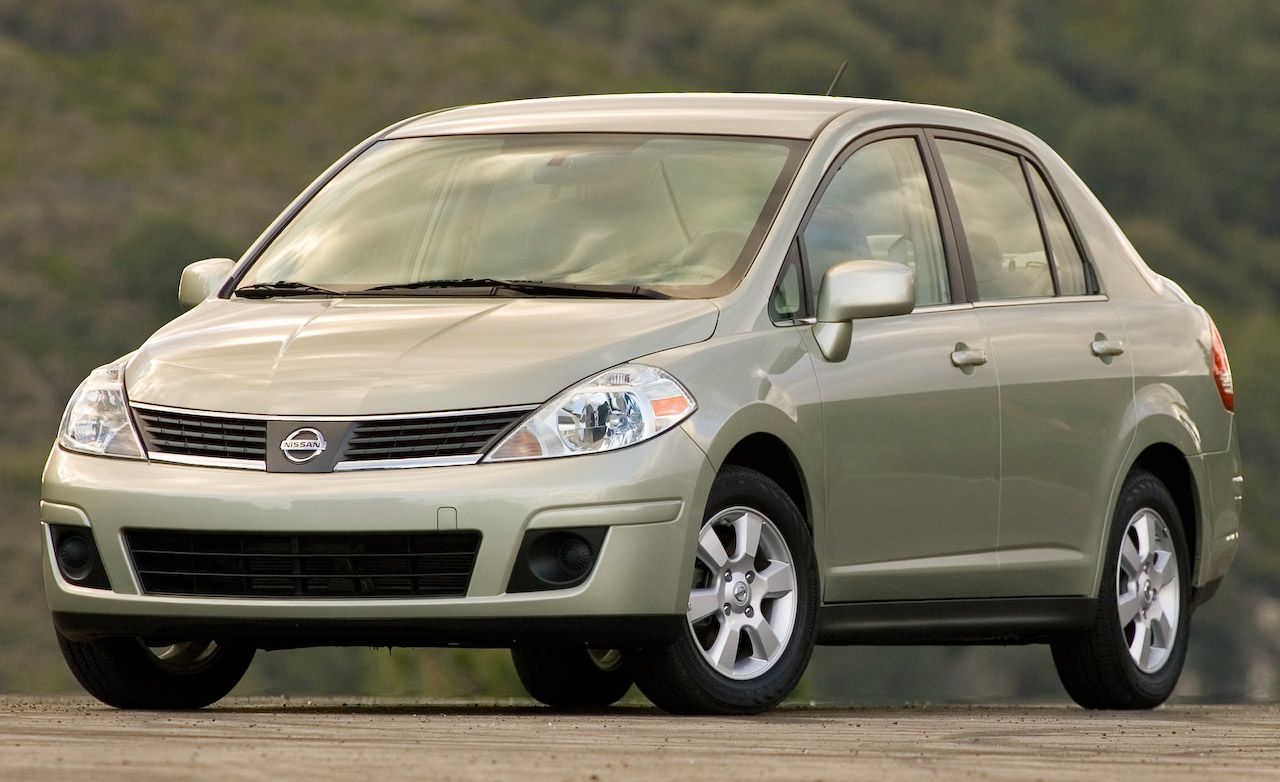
663 390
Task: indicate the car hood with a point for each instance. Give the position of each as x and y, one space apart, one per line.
305 356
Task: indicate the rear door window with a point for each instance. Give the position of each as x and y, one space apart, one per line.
1006 248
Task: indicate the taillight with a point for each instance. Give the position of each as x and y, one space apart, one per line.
1222 370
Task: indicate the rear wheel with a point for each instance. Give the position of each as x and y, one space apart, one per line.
572 677
127 674
1133 655
752 606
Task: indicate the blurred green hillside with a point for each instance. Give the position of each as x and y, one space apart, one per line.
136 136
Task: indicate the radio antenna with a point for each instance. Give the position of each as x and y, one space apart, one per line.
834 81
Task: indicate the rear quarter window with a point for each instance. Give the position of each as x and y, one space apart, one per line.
1067 261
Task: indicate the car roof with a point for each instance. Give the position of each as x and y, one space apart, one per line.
786 116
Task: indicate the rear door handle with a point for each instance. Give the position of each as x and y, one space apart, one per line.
1107 347
964 356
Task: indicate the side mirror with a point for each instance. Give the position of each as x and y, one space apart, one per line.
860 289
201 279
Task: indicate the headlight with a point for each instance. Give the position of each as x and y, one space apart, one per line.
97 419
616 408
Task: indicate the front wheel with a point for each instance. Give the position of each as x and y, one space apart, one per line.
572 677
752 606
1133 655
127 674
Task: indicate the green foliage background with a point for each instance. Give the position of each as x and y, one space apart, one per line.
136 136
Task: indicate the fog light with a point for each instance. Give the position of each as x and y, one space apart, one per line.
77 556
574 555
556 558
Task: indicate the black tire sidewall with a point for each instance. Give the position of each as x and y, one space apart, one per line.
124 673
567 677
742 487
1143 490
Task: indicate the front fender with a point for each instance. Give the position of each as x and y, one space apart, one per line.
774 394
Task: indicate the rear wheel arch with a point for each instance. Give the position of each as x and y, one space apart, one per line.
1133 653
1164 440
1168 463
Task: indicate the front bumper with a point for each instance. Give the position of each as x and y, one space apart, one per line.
650 497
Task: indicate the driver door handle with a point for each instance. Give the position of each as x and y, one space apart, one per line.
1107 347
964 356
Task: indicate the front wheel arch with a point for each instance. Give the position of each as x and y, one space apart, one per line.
770 456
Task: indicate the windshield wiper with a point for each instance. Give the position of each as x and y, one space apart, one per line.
527 287
266 290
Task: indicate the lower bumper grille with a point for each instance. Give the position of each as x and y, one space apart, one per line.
314 565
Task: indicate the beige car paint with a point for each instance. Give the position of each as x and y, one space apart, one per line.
308 356
889 521
647 514
913 460
1061 406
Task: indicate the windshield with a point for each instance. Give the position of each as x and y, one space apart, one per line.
678 215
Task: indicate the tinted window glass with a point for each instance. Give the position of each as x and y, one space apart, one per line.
682 214
787 301
1066 256
999 220
879 206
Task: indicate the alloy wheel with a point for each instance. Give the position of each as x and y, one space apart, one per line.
1148 593
185 656
742 607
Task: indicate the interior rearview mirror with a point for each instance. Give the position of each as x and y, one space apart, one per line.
860 289
202 279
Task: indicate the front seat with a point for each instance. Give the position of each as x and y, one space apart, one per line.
833 236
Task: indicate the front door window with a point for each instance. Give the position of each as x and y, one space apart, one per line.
879 206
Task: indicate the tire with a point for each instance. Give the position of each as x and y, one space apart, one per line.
572 678
1106 667
725 664
126 674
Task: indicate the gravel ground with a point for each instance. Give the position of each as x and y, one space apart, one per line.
274 739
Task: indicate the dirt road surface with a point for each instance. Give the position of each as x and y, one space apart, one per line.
262 739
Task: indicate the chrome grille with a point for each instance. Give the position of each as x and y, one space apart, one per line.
309 565
357 443
192 434
419 438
